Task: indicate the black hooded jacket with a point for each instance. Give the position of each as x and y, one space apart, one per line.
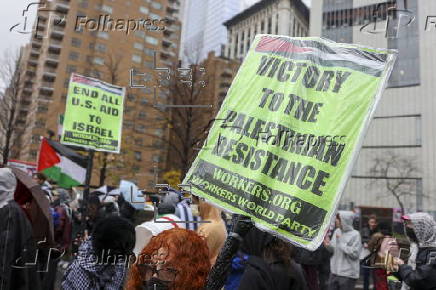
260 274
424 276
17 250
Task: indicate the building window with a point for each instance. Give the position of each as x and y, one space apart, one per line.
159 132
66 83
236 44
139 141
163 94
138 45
100 47
154 16
76 42
136 58
40 124
149 64
73 55
156 5
128 124
151 40
42 109
142 115
144 101
96 74
149 51
277 24
418 126
98 60
147 90
106 8
102 34
140 128
83 3
138 156
140 33
35 139
71 68
33 153
78 29
162 108
143 9
131 97
156 158
128 109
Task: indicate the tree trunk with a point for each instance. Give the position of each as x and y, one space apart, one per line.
400 203
5 154
9 132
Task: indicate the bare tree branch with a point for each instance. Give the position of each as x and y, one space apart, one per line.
397 170
11 80
186 123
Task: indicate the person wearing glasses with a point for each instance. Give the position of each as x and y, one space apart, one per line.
174 259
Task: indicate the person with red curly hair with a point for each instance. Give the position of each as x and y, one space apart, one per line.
174 259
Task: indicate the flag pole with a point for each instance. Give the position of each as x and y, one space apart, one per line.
86 191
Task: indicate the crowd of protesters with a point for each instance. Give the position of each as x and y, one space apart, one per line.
192 244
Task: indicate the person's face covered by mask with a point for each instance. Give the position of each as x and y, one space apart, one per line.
410 232
158 275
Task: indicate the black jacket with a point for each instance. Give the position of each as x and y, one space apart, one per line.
424 277
259 275
367 233
17 250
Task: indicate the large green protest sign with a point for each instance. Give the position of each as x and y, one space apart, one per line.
285 139
93 115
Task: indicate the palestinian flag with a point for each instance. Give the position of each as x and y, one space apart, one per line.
61 164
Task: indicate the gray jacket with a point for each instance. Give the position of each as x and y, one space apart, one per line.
345 248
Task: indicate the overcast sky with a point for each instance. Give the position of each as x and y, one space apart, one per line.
10 15
307 2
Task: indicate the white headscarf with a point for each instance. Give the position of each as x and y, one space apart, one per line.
8 183
425 229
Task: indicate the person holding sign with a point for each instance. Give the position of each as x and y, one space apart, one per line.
269 264
288 132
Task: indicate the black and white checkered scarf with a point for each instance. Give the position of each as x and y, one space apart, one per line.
87 272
